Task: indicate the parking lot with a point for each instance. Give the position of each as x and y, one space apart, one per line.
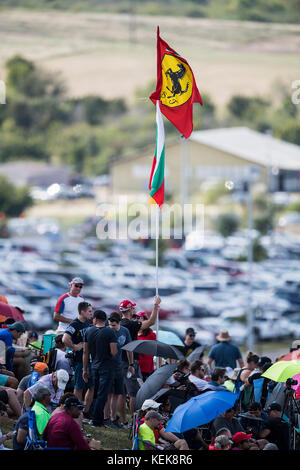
203 288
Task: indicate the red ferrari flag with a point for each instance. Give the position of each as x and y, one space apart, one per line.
176 88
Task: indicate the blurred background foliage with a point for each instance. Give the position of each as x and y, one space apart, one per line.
247 10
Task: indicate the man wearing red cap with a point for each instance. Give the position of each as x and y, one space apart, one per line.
131 384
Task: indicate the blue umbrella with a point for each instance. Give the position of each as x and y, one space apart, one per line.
200 410
169 337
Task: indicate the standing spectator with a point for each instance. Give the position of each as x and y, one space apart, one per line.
55 382
225 354
189 342
61 361
123 337
42 397
101 343
131 384
63 431
145 361
73 338
66 309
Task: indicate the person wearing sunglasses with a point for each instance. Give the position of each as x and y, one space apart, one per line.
66 309
189 342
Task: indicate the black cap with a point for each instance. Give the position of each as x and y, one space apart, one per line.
274 407
263 360
190 331
73 401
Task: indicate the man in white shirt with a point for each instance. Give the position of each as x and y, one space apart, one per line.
197 376
66 309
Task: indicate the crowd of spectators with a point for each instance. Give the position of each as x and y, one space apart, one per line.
93 381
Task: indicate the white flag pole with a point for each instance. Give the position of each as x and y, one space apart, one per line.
156 272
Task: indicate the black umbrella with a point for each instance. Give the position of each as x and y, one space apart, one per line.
194 355
154 383
153 348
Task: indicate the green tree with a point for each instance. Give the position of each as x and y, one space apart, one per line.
227 224
13 200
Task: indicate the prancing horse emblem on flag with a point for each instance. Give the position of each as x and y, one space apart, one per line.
177 83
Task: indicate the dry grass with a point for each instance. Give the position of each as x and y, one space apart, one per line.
111 55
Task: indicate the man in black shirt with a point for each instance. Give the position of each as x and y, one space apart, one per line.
127 309
100 343
73 338
189 343
276 430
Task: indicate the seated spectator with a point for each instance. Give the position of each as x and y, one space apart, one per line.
170 440
32 337
197 376
8 396
241 441
276 429
14 358
62 429
61 408
247 392
227 420
7 379
55 382
21 429
217 379
42 399
146 430
4 438
183 368
221 443
253 425
39 369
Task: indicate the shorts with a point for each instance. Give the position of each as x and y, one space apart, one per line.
79 383
132 385
118 383
4 396
3 379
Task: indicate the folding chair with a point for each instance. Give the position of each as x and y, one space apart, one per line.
32 441
136 439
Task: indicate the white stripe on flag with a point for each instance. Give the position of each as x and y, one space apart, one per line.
160 135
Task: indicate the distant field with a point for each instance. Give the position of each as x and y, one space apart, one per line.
112 55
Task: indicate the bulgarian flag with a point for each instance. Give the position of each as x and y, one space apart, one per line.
176 88
157 177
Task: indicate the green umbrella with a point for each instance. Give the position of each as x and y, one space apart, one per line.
282 370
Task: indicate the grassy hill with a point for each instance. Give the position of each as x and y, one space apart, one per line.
253 10
113 55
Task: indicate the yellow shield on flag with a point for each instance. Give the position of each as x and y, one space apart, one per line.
177 81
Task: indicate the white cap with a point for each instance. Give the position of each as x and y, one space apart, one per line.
62 378
150 404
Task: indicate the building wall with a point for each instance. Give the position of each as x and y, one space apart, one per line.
131 176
